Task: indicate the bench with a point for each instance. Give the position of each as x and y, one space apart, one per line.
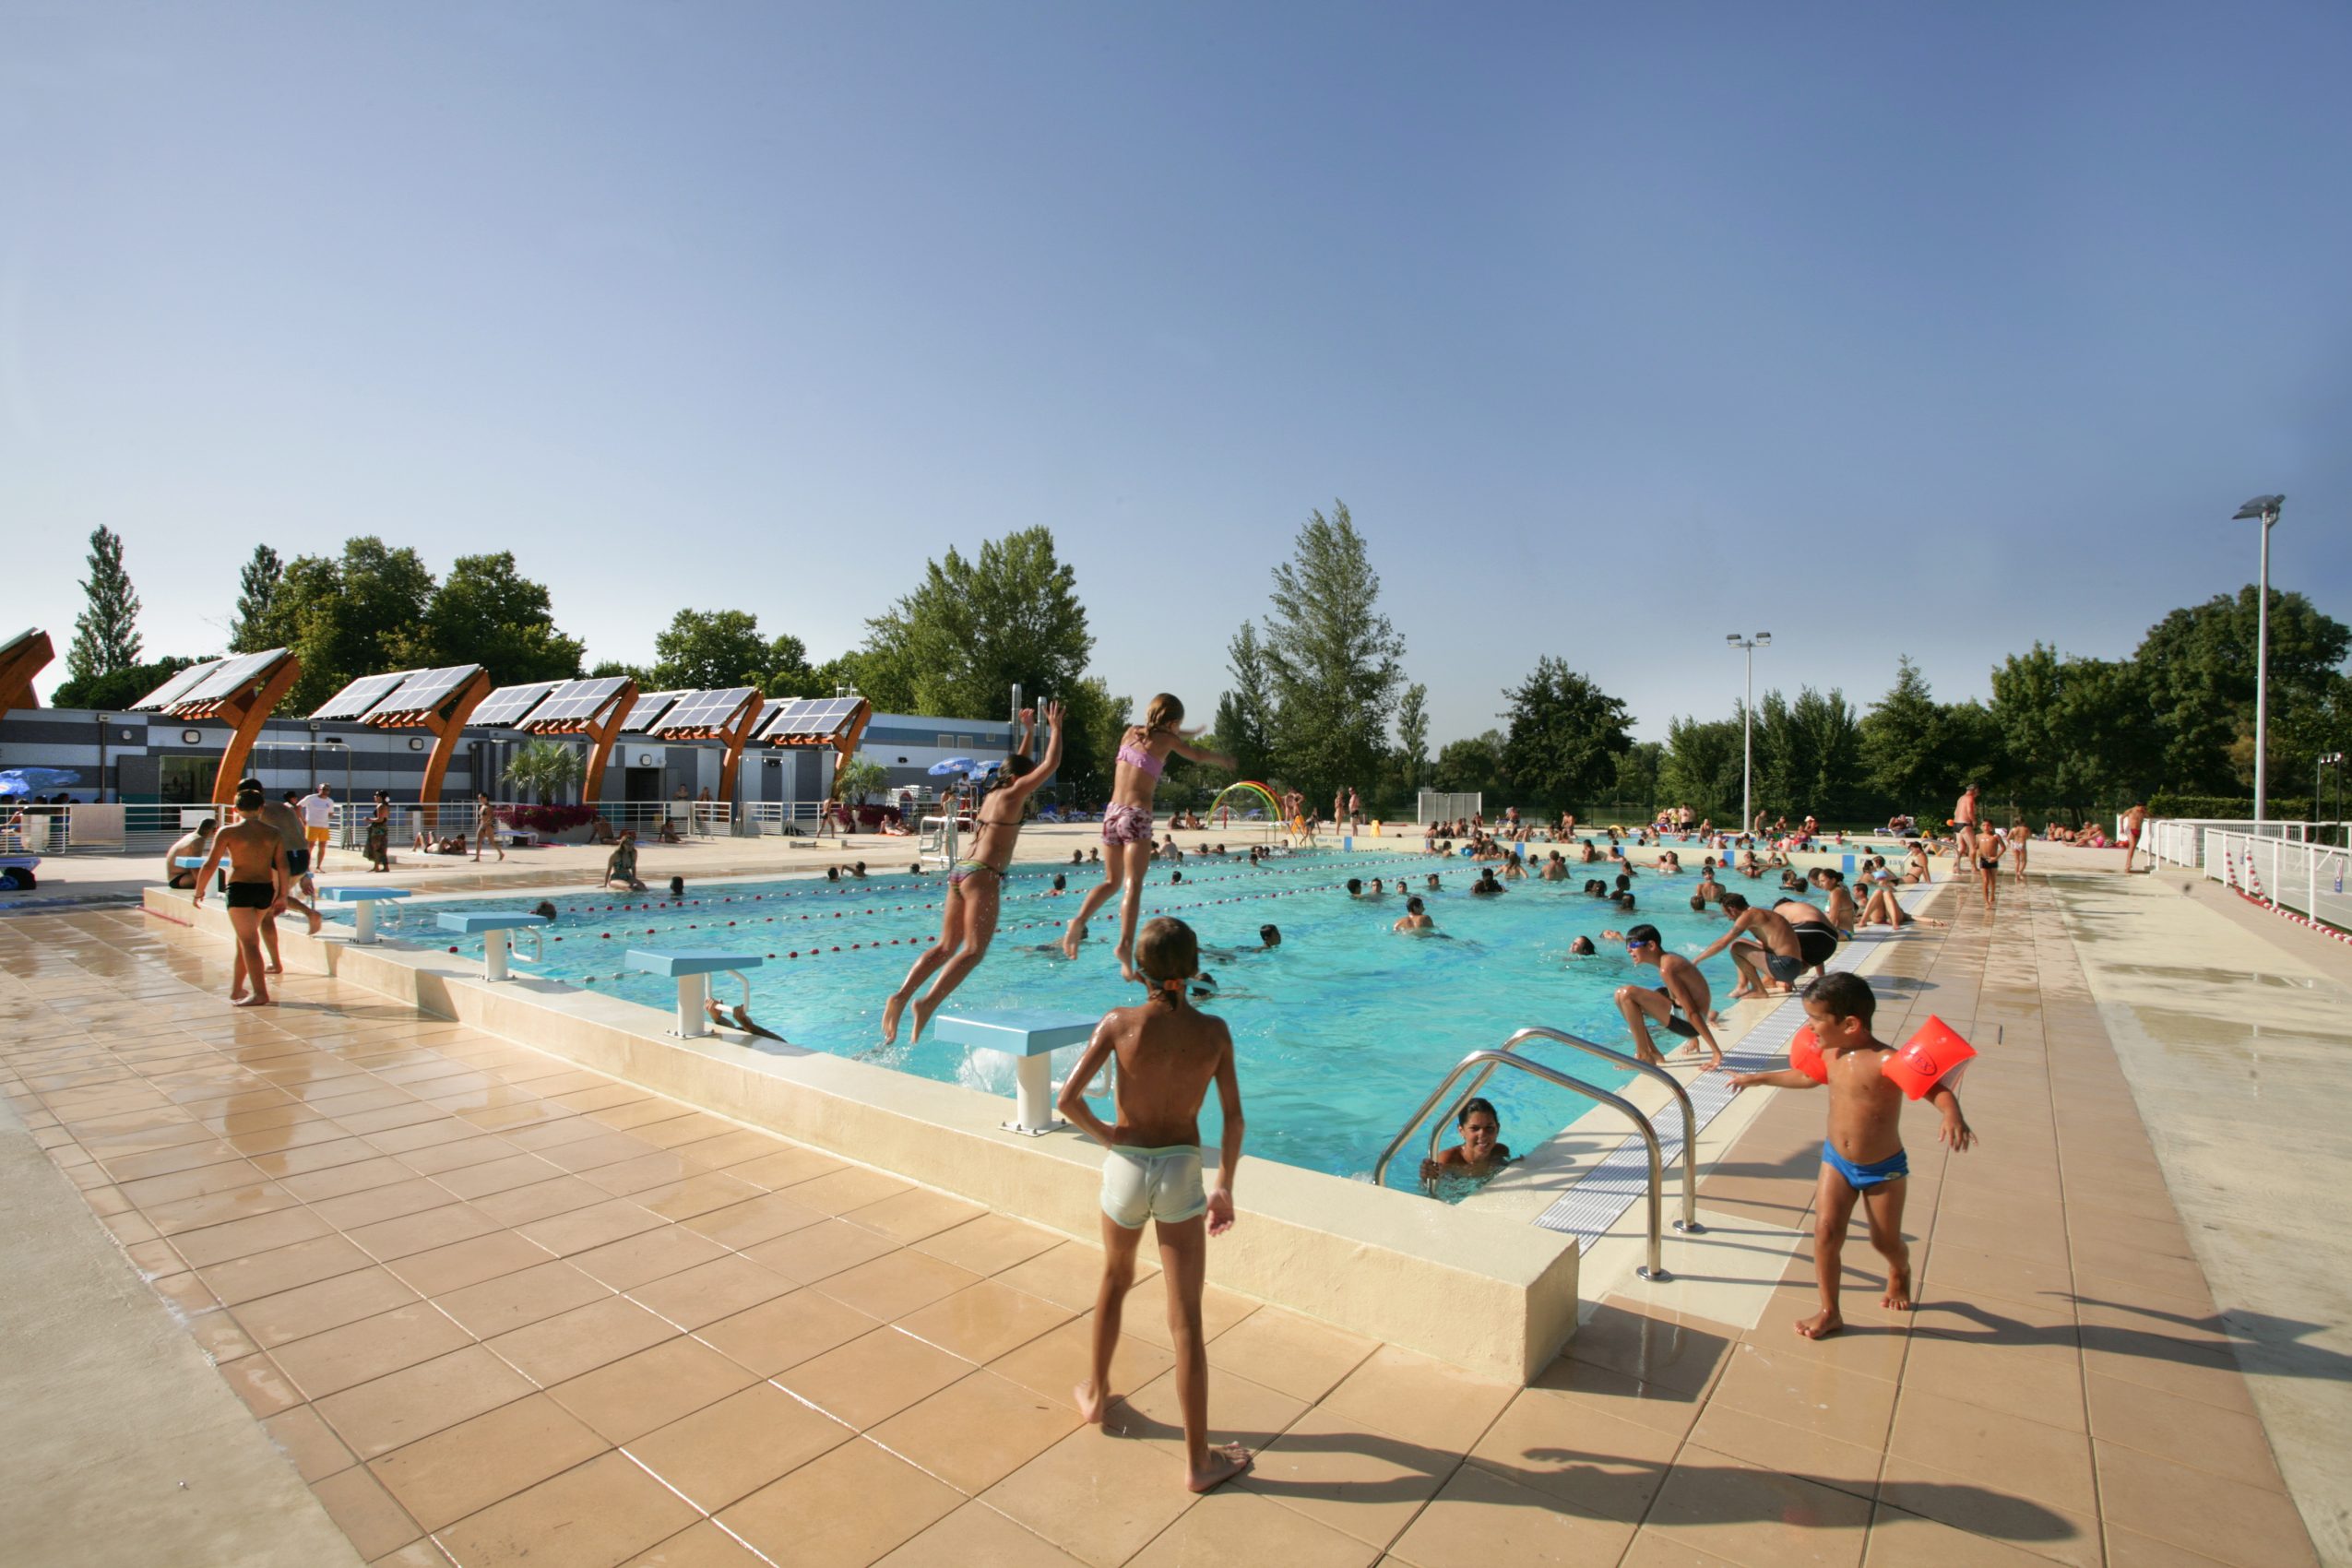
1031 1038
363 916
493 929
692 969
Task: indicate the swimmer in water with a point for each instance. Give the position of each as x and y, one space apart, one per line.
1415 918
1480 1154
1582 947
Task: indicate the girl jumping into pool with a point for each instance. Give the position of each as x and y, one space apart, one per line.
1127 822
976 883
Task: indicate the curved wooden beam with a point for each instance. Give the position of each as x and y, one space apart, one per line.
447 728
246 712
600 738
736 737
25 660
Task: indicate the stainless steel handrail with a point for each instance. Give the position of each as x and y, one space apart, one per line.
1489 1059
1690 1220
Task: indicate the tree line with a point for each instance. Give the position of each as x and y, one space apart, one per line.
1317 695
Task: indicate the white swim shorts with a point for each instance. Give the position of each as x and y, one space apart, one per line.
1153 1183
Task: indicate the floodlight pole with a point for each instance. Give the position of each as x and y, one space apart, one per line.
2264 509
1747 645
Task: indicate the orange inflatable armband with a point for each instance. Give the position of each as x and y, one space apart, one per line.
1804 1054
1933 1055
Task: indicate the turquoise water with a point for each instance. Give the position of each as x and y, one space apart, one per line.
1340 1032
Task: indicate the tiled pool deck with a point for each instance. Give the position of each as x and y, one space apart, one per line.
497 1310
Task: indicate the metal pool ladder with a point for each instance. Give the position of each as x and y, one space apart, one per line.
1505 1055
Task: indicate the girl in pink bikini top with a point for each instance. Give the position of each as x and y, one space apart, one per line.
1127 822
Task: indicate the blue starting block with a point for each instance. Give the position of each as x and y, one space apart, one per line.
692 969
363 915
493 929
196 862
1031 1037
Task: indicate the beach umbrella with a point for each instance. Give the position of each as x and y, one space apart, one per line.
953 765
25 781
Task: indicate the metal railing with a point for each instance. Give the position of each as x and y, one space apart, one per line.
2306 878
2180 840
1506 1055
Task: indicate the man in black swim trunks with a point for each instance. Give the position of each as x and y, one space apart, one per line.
1770 961
258 884
1817 934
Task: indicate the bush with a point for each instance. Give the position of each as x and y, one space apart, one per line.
2230 808
550 820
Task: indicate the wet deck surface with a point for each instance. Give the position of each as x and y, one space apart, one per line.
496 1309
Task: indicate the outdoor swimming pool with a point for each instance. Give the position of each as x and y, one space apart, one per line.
1341 1031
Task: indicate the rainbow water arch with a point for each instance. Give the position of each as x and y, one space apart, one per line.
1250 789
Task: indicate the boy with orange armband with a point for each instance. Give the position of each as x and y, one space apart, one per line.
1862 1157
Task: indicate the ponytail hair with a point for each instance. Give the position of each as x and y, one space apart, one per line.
1164 714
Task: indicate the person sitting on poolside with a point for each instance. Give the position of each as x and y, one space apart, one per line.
621 867
1832 883
188 846
600 831
1415 917
667 833
1479 1155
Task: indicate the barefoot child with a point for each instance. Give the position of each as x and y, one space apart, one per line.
1126 822
1169 1051
1684 1003
977 882
1863 1157
256 885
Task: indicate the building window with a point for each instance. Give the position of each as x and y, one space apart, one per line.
947 742
963 742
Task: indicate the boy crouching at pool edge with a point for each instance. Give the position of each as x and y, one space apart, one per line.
1168 1053
1863 1155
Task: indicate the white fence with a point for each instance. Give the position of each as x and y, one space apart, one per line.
2180 841
1437 805
2284 873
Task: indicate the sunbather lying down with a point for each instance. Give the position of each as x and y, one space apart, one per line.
738 1017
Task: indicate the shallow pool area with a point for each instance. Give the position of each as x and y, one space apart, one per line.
1341 1030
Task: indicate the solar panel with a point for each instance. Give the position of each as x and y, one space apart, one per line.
810 716
360 694
704 710
579 699
650 707
424 690
170 691
508 705
230 676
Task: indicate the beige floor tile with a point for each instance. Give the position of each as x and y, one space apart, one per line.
639 1393
656 1168
821 1250
2019 1385
1787 1382
540 1200
585 1228
1068 1275
842 1510
700 1194
328 1303
989 1245
555 1349
1352 1478
1651 1550
601 1512
786 1168
1233 1526
1288 1352
513 1301
396 1409
243 1238
896 1283
1055 1362
334 1181
2006 1453
1899 1540
1099 1498
1480 1519
1742 1434
439 1270
1724 1505
699 1546
977 1535
1443 1406
1573 1449
910 1217
976 1430
738 1146
1148 1310
728 1450
309 1441
1239 1411
840 1191
365 1512
248 1202
786 1331
466 1468
2244 1526
505 1170
257 1380
982 1321
755 1220
1652 1349
650 1256
2170 1427
1972 1507
423 1232
1575 1384
725 1286
874 1377
352 1354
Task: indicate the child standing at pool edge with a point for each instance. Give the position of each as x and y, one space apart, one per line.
1863 1155
1169 1054
1126 822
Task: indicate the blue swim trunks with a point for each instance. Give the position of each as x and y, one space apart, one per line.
1861 1178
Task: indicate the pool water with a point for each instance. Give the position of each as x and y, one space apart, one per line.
1340 1032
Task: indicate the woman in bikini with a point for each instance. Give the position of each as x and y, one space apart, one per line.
1127 822
976 884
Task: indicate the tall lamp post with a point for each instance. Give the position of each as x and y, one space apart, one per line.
2319 773
2264 509
1747 645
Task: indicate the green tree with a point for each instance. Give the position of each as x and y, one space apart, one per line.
2074 732
1471 765
543 766
1565 736
859 777
1809 757
485 613
106 634
1412 735
710 649
351 616
1903 736
1331 659
974 628
2198 665
1246 713
1701 767
1638 767
121 688
1096 719
257 588
642 674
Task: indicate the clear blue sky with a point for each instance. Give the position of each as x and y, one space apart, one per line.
1925 329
